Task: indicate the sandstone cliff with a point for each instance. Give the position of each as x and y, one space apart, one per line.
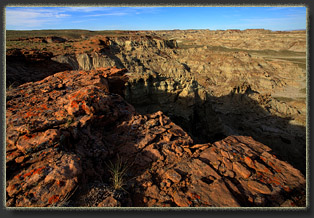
204 106
260 93
64 131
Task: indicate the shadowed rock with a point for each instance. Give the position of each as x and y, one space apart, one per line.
62 132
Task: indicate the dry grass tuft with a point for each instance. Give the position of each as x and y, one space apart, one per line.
118 172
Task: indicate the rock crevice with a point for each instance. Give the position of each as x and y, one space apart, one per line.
63 131
189 112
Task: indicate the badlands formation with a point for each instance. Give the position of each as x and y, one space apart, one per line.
192 118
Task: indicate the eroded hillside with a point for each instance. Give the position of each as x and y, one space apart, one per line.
227 90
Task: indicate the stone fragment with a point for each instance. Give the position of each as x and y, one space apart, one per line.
152 123
210 155
249 162
229 173
262 168
288 203
241 170
224 153
153 192
152 152
167 137
227 163
173 176
147 140
259 187
177 131
181 200
109 202
62 131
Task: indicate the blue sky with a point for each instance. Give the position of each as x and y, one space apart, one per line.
155 18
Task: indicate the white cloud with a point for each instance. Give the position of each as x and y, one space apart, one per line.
32 17
276 8
62 15
107 14
46 17
122 11
84 9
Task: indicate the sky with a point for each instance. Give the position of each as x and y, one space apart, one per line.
155 18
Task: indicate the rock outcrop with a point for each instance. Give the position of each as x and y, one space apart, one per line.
250 39
46 150
30 65
250 82
182 120
183 100
69 135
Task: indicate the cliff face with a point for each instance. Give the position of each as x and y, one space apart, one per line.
204 107
250 39
27 66
260 93
68 133
185 102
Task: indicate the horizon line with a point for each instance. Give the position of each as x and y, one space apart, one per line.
160 29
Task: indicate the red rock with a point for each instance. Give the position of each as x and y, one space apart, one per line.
288 203
262 168
62 130
249 162
211 155
199 146
241 170
19 159
229 173
181 200
173 176
147 140
259 187
27 143
153 153
220 196
177 131
109 202
227 163
167 183
152 203
153 192
40 130
224 153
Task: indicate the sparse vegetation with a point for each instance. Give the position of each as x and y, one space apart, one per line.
11 86
190 86
65 201
118 172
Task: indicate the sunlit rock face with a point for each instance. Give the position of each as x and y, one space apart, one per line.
62 132
201 118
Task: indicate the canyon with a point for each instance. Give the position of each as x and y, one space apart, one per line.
200 117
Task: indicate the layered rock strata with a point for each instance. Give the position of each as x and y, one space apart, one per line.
250 82
250 39
64 131
186 103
